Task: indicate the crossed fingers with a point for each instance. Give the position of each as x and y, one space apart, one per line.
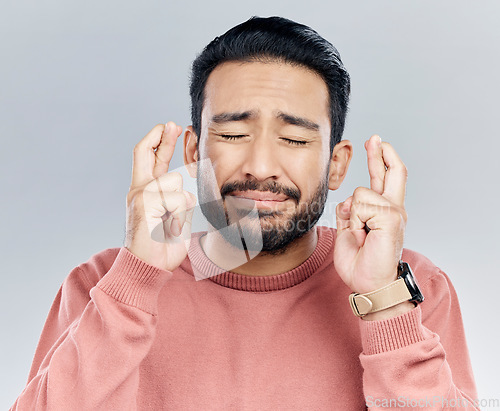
388 174
382 205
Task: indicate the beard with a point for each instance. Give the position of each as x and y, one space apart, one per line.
256 230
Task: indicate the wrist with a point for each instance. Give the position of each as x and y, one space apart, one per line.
390 312
389 301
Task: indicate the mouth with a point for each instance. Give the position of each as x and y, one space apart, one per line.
259 195
259 199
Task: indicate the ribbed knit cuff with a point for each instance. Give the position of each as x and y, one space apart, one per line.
392 333
132 281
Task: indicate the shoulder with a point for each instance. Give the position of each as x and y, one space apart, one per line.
74 293
440 297
439 293
430 278
422 267
96 266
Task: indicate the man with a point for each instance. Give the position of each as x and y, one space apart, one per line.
311 317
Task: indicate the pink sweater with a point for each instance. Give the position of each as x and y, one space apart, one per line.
124 335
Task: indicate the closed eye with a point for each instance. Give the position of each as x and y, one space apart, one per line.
231 136
237 136
295 142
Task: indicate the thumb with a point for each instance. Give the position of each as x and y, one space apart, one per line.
190 205
186 227
343 215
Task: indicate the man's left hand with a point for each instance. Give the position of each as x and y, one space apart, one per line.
371 223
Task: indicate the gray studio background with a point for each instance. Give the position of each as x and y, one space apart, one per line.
82 82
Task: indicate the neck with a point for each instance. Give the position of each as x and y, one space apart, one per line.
228 257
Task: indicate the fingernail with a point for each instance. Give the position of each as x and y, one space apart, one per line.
379 141
175 227
167 127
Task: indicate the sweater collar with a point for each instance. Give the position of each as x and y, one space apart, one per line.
203 267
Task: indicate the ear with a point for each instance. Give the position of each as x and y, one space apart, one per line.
339 163
191 151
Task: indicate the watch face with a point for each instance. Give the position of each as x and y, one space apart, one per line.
410 281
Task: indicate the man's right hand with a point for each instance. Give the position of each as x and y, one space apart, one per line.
159 210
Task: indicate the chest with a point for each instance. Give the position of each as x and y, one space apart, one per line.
297 352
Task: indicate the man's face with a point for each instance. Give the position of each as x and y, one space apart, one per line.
266 131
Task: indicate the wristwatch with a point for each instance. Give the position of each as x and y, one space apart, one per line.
405 288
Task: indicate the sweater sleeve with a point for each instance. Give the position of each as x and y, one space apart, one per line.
95 337
420 358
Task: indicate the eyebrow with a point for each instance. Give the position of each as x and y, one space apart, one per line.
246 115
298 121
228 117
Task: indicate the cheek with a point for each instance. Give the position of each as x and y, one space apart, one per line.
306 175
225 163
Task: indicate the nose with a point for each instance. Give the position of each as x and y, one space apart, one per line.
261 160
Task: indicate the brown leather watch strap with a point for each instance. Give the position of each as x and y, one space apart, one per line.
385 297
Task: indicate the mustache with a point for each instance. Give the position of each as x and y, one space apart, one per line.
252 185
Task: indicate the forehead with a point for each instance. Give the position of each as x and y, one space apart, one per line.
265 87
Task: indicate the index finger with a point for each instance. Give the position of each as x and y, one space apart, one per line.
395 175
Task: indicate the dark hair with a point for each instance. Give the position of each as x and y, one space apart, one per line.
280 39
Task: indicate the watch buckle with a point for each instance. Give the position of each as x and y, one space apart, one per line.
366 304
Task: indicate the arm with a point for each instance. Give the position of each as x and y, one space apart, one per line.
102 323
419 356
406 355
93 343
